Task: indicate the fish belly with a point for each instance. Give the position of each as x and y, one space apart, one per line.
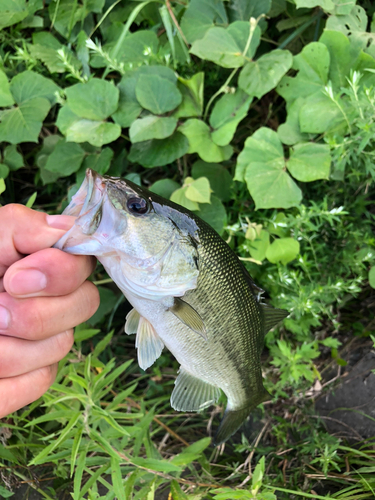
206 360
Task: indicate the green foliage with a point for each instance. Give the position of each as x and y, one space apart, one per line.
264 127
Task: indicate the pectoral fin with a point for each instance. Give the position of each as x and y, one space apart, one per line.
148 344
131 322
192 394
188 316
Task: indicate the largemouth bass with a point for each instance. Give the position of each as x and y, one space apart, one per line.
189 291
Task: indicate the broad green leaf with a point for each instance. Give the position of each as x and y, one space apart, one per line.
95 100
219 177
158 152
343 57
198 190
225 46
165 187
260 76
319 114
214 214
12 12
283 250
242 10
179 197
94 132
100 161
161 71
136 48
259 246
65 159
2 186
371 277
152 127
65 14
29 85
4 171
200 141
343 7
23 123
262 165
128 107
192 96
12 158
354 25
309 162
309 4
279 225
312 65
157 94
277 7
6 98
45 47
200 16
290 132
49 144
227 113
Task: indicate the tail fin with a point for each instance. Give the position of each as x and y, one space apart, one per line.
233 419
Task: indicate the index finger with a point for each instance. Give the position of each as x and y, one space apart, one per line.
25 231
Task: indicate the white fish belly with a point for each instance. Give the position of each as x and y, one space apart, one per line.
204 359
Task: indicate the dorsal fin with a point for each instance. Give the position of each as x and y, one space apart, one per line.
257 291
272 316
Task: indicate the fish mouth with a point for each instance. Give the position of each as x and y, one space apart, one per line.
81 200
86 206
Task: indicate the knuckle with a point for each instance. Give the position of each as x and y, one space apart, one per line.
64 342
90 299
46 375
14 211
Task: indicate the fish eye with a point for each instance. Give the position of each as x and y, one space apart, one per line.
137 206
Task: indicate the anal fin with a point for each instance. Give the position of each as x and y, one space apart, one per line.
188 316
192 394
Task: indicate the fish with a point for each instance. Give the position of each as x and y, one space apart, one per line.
189 291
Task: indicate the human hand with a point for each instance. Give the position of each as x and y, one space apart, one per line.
42 297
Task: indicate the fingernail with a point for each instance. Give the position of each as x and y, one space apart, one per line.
60 221
4 318
27 282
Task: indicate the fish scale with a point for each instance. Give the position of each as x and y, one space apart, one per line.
189 291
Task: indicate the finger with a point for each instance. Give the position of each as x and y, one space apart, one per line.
25 231
41 317
48 272
18 356
20 391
